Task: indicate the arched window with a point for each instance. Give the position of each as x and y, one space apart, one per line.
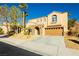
54 19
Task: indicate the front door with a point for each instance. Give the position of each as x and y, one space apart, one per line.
37 31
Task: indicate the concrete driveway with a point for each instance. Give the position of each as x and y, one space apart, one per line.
48 46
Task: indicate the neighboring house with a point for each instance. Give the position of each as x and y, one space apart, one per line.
55 24
5 27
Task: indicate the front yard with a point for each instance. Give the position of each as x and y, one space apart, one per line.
71 42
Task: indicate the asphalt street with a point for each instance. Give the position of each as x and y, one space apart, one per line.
9 50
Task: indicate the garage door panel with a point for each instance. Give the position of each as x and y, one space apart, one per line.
54 32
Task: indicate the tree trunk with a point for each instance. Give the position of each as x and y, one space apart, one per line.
24 22
7 24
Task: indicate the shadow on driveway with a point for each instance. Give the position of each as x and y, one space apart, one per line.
75 41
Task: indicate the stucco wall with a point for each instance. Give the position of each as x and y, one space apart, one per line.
41 20
62 19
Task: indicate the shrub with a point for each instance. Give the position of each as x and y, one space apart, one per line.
69 33
1 31
26 33
77 35
10 33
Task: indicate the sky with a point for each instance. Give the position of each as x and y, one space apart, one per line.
36 10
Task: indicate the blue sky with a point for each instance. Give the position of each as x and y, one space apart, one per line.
36 10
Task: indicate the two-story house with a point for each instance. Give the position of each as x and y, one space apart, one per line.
55 24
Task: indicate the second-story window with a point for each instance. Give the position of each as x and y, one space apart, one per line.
54 19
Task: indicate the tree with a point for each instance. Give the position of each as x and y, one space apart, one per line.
14 15
0 12
71 22
1 31
0 9
4 13
23 7
1 15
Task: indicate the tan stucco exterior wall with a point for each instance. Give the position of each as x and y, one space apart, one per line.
62 20
41 20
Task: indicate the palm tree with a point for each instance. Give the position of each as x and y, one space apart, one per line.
23 7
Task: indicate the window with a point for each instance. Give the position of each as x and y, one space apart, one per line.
54 19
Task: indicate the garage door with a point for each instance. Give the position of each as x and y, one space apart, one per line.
59 31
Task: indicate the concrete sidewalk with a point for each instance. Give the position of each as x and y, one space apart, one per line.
48 46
